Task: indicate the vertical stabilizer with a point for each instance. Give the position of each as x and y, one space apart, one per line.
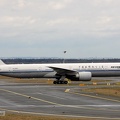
1 62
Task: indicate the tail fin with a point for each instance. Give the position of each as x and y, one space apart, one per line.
1 62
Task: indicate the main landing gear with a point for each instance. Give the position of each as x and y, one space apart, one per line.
60 82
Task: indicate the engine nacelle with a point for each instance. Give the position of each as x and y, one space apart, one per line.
84 76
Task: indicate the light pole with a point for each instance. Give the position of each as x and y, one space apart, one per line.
64 56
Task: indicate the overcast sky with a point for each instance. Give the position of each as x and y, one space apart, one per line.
45 28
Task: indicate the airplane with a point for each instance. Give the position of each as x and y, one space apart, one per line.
72 71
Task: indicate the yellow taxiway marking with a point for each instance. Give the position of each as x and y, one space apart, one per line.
92 96
30 97
53 103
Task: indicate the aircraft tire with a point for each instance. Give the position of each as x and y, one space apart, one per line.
60 82
54 82
65 82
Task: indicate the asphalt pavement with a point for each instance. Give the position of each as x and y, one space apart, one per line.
58 100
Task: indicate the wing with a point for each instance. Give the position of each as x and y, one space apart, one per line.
63 71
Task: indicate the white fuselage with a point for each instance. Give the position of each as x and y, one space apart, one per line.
44 70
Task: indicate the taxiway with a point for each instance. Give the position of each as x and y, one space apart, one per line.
60 100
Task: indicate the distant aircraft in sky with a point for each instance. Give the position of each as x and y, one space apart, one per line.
72 71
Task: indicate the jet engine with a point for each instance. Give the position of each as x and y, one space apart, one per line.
81 76
84 76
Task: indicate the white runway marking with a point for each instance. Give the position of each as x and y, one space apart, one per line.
73 116
105 106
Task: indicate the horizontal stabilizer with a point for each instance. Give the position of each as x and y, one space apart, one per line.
1 62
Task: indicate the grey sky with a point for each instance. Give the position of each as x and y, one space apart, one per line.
45 28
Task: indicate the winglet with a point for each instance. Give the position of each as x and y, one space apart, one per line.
1 62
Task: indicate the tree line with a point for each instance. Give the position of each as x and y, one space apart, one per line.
58 60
